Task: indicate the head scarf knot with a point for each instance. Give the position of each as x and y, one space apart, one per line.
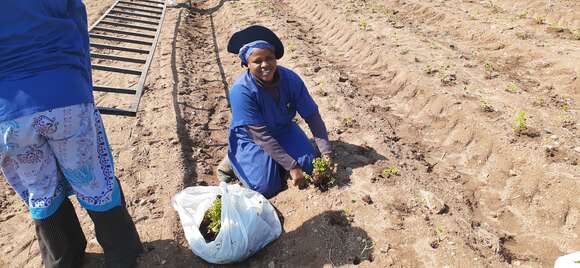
247 49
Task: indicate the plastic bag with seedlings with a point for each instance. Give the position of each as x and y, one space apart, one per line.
247 221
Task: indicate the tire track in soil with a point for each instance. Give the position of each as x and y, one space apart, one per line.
432 107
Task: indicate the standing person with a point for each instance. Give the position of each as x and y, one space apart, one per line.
52 140
264 142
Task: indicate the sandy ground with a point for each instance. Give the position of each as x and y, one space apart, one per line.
429 87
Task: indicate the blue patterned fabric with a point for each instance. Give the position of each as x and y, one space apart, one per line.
50 155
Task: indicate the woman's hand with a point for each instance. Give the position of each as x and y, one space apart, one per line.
297 176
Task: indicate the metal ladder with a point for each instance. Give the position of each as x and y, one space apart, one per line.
127 23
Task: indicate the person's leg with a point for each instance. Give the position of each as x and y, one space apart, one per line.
29 165
260 172
60 238
120 241
83 153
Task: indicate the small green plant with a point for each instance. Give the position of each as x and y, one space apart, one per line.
540 19
576 34
348 122
322 173
521 122
539 102
439 231
565 107
485 106
431 69
291 47
512 88
567 120
362 25
489 70
346 212
390 171
578 261
524 35
523 14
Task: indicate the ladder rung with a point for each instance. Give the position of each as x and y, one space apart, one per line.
114 90
115 69
115 111
126 49
103 29
134 14
139 5
117 58
151 1
119 39
128 25
139 9
132 20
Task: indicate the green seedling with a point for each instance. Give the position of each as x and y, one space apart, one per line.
430 69
539 102
322 173
362 25
485 106
524 35
576 34
390 171
489 70
291 47
346 212
440 232
348 122
567 119
213 217
578 261
523 14
565 107
540 19
521 122
512 88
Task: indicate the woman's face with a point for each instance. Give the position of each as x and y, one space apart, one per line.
262 64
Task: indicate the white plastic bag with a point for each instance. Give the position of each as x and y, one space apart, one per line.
571 260
248 221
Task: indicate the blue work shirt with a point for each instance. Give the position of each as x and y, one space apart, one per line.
252 105
44 56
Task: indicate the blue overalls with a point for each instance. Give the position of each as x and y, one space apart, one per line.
252 105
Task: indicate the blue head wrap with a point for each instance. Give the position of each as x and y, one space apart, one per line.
247 49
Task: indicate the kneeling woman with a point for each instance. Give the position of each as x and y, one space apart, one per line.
264 142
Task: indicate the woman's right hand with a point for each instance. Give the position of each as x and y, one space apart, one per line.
297 176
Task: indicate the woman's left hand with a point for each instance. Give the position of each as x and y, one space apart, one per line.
297 176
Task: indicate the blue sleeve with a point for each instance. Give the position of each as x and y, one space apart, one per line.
245 108
77 11
305 105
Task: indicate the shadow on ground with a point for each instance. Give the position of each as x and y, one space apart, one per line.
349 156
326 239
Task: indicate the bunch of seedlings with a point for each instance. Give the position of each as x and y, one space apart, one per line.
211 223
323 173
